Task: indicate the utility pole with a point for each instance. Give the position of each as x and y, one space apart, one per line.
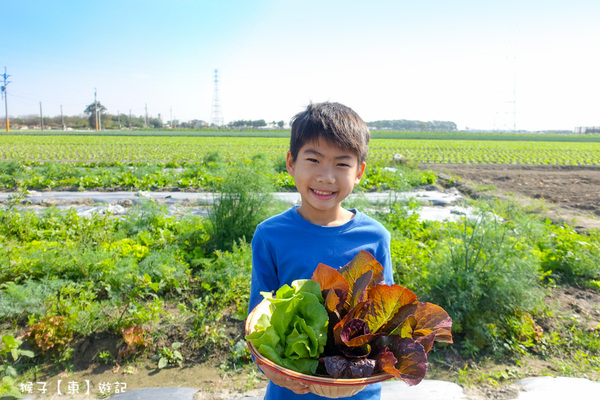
171 114
5 98
129 119
146 122
41 117
62 119
95 110
119 118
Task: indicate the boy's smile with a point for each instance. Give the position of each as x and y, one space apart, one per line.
325 175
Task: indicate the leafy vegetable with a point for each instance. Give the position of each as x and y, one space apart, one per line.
376 327
352 323
295 334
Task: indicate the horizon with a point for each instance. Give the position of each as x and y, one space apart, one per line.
493 66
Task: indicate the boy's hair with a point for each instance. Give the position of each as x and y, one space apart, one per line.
333 122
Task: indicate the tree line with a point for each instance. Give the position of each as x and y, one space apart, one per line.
412 125
254 124
95 115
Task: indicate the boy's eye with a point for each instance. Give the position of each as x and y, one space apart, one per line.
312 159
343 165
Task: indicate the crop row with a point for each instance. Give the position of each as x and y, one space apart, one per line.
179 151
65 278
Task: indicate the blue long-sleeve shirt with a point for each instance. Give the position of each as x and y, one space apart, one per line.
287 247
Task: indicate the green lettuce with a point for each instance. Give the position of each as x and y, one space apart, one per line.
294 335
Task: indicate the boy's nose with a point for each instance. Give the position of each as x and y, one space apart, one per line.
326 176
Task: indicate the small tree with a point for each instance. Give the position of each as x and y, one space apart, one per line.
91 110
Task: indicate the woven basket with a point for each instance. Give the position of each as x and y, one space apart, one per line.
320 385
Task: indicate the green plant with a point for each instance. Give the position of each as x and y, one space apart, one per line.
484 272
106 357
18 300
171 355
10 354
570 256
12 346
8 387
224 279
240 352
77 303
242 202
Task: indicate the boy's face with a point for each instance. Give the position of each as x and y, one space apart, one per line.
325 175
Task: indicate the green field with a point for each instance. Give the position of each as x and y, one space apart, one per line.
148 279
179 150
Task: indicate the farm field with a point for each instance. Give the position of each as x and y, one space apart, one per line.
123 290
571 191
177 151
564 170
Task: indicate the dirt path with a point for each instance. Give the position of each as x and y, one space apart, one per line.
571 193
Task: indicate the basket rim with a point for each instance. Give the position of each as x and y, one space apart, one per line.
251 320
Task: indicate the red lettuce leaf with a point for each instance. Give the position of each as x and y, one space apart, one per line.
332 301
360 264
356 333
359 289
376 327
432 318
385 360
332 284
342 367
428 319
385 302
355 352
357 312
411 359
426 341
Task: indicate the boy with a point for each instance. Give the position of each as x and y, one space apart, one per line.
328 150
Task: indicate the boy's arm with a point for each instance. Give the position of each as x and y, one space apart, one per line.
264 270
386 262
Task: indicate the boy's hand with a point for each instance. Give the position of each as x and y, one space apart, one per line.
288 383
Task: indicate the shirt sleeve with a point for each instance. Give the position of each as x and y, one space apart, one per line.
264 270
388 271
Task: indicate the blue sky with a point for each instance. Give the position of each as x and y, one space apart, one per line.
462 61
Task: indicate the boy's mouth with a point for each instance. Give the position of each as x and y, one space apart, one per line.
322 193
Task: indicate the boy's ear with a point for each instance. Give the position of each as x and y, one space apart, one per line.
289 163
360 172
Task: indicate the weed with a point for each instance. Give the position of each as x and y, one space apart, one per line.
484 273
242 203
168 356
8 387
106 357
10 354
570 256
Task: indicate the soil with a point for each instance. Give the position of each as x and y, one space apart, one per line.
563 194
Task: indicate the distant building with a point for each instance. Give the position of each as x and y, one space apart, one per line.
587 129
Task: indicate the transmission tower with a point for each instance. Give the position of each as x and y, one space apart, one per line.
216 115
506 109
5 97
